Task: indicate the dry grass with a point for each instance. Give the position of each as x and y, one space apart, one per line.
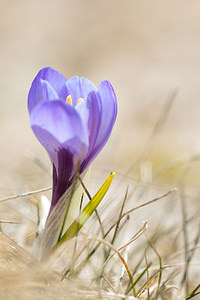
155 259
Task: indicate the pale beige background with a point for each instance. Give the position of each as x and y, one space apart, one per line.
146 49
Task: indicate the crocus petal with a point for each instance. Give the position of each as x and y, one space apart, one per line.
79 87
62 175
47 92
46 83
108 112
58 125
90 112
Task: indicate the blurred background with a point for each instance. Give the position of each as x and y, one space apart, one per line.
148 50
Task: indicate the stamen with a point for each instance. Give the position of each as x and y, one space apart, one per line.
69 100
79 100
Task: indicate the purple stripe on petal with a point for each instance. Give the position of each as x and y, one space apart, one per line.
62 174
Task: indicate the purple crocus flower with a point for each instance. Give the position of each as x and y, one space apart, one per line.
73 120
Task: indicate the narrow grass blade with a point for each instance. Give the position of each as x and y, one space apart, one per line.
87 211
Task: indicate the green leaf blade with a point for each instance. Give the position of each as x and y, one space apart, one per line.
88 210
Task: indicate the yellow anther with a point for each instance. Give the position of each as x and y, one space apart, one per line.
69 99
79 100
